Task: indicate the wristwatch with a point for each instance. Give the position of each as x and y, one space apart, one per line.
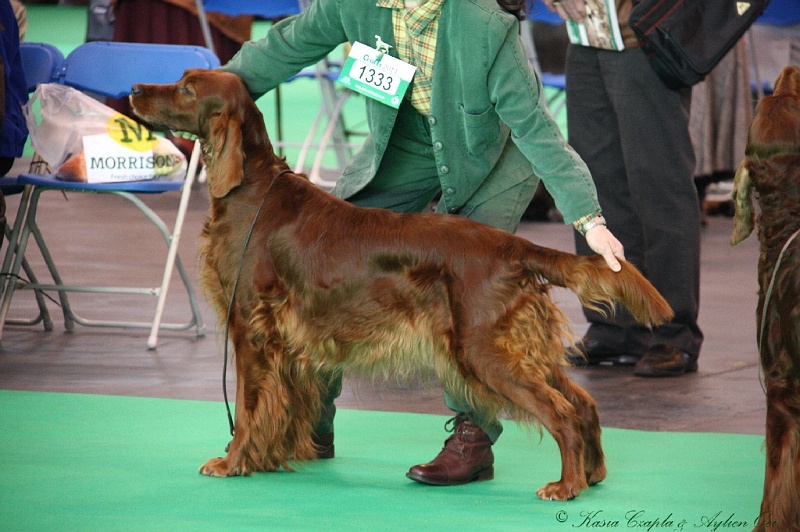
589 221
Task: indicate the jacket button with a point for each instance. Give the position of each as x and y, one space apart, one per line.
449 191
438 145
432 120
444 169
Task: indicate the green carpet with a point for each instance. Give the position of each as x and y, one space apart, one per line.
86 462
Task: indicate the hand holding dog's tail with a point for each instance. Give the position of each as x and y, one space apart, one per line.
602 242
599 287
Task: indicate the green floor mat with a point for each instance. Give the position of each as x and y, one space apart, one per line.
88 462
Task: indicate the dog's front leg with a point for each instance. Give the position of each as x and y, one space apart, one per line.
262 417
779 508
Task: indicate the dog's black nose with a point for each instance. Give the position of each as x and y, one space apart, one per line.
136 89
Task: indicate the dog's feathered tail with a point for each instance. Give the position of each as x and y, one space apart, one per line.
599 287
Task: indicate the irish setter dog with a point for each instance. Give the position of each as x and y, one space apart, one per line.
325 285
772 169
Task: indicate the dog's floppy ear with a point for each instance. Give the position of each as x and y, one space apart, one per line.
224 157
744 219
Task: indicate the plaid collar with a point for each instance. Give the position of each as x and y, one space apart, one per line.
418 18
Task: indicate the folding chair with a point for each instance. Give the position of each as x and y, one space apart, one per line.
109 69
780 14
334 135
41 63
273 11
538 12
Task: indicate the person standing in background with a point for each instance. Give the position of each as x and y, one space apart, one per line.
722 108
13 95
633 132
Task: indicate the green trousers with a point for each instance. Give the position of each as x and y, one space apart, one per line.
408 181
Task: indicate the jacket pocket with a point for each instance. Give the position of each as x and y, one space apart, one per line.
483 133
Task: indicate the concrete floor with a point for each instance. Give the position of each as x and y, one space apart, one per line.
103 238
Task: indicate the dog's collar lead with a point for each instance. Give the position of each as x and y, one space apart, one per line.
231 423
767 297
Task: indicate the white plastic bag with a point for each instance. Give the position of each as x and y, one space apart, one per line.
116 147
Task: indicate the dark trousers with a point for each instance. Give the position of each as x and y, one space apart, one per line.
632 131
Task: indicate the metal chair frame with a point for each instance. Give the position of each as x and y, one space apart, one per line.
41 63
777 13
109 69
335 135
537 12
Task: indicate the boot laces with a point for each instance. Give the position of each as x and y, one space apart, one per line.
453 424
456 425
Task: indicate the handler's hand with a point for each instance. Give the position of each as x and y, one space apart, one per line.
568 9
606 244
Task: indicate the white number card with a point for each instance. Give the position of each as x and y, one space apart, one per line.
376 74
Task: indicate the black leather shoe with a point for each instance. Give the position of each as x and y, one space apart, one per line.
324 444
665 361
590 352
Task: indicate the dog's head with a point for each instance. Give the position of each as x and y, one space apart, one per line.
774 134
215 106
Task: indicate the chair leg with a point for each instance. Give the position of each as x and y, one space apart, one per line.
334 103
12 235
333 129
172 255
44 314
19 259
335 134
30 227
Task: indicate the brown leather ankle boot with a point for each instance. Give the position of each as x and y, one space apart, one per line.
466 457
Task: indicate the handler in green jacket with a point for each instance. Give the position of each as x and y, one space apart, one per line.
473 128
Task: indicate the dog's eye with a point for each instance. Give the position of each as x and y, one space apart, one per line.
186 90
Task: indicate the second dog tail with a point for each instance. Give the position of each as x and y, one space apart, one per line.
599 287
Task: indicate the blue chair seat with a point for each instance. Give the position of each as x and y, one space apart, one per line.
11 185
135 187
556 81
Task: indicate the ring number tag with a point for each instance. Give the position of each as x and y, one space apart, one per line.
377 75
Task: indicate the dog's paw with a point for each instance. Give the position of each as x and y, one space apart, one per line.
559 491
219 467
596 476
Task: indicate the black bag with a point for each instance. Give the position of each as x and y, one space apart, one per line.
685 39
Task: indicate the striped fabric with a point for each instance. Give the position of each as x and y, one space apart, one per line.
415 29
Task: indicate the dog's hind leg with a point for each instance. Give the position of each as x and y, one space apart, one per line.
586 408
530 394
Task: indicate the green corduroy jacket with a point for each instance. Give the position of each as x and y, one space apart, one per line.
488 115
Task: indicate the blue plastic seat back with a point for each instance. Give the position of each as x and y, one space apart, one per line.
111 68
269 9
538 12
41 62
781 13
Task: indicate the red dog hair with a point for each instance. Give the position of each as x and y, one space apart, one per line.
772 169
325 285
